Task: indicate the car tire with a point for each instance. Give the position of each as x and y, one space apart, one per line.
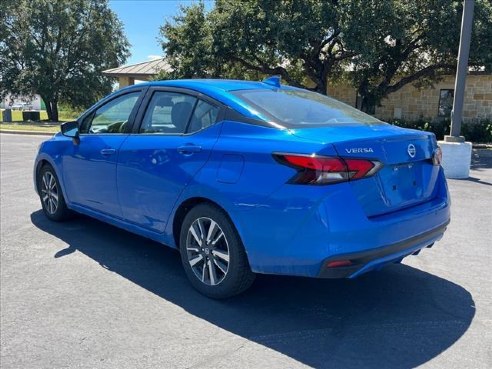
51 195
212 253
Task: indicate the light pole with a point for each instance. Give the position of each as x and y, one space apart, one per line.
456 152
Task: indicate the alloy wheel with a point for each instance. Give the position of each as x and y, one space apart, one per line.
49 192
208 251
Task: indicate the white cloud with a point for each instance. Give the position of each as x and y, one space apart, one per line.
154 57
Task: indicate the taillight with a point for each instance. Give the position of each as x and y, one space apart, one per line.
313 169
437 156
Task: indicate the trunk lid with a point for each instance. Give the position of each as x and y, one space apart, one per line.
407 177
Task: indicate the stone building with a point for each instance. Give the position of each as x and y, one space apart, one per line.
410 103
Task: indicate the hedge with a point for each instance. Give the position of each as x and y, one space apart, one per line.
478 132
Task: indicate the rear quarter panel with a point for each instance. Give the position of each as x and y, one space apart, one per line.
241 175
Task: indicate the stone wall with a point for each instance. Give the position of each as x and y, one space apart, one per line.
410 103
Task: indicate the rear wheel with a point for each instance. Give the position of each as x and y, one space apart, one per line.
212 253
52 200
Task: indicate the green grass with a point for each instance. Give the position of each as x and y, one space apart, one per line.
30 126
44 125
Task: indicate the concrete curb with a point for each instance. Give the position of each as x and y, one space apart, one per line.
32 133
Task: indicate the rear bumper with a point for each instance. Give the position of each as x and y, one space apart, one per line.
297 235
368 260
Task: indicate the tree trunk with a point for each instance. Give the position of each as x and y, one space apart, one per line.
368 104
51 109
322 87
368 99
47 105
54 110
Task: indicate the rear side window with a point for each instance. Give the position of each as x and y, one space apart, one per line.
168 112
204 116
296 108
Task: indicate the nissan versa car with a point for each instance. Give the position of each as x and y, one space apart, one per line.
248 177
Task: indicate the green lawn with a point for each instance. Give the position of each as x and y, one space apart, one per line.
30 126
44 125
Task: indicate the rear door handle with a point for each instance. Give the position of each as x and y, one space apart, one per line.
189 149
107 152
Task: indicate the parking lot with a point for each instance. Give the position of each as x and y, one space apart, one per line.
83 294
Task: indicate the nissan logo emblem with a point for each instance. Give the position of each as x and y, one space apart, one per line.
411 150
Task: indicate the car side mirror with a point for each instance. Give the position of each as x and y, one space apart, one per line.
71 129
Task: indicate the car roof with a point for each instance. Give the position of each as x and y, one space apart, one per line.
218 89
214 84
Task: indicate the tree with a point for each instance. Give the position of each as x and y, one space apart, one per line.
299 40
379 45
58 50
401 42
189 50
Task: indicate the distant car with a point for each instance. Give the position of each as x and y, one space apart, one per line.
248 177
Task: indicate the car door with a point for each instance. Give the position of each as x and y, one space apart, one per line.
89 167
174 140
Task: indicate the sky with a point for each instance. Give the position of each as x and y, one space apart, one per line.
142 19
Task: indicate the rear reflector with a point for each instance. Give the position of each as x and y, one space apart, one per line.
338 263
437 156
314 169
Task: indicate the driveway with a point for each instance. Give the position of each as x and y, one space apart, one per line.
83 294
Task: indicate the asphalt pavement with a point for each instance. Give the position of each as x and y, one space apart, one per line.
83 294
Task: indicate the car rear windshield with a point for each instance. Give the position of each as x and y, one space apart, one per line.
296 108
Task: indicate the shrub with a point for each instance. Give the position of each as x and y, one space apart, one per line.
479 132
66 112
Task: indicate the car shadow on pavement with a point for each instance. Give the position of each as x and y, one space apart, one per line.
398 317
478 180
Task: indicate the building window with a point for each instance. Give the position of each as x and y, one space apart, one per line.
445 103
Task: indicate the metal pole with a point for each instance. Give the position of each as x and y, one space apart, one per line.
462 70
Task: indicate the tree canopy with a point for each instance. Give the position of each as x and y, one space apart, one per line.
58 50
378 45
414 42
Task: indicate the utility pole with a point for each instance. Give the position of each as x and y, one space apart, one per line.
462 70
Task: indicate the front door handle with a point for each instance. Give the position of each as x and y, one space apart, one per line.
107 152
189 149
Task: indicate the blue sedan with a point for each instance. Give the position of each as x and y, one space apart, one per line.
248 177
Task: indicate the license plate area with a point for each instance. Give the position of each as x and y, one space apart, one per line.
403 183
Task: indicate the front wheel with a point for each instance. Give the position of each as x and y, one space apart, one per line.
52 200
212 253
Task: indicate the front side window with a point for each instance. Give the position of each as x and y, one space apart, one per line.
168 112
112 117
296 108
